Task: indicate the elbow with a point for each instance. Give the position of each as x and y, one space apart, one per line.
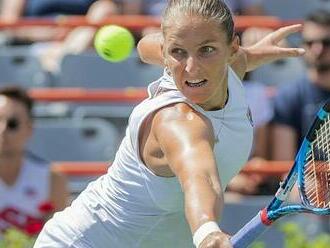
139 49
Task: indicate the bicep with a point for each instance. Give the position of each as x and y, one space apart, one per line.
188 148
187 143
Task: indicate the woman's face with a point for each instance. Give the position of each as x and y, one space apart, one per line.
196 52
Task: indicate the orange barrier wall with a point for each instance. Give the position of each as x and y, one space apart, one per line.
125 95
138 22
77 168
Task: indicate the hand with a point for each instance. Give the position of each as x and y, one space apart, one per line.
216 240
245 184
268 49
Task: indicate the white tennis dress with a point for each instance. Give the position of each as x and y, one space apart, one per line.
132 207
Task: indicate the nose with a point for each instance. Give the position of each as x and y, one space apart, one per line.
3 127
192 65
317 48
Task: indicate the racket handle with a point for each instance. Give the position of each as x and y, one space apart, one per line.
248 233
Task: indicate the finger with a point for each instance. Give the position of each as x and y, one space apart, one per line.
283 32
290 52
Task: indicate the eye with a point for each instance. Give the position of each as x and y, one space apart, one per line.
206 50
178 51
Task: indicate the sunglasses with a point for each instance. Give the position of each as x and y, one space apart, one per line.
325 42
13 124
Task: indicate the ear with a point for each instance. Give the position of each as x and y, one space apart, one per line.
162 49
162 54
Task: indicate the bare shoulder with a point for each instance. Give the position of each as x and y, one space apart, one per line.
183 118
179 112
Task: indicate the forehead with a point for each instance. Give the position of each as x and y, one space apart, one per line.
10 107
314 31
193 29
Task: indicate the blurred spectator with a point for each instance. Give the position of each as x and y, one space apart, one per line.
155 7
297 103
140 7
29 190
12 10
246 7
76 41
137 7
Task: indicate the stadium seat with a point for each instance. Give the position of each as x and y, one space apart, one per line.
70 140
103 111
52 110
115 114
91 71
21 68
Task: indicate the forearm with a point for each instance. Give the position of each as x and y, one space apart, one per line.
149 49
203 201
271 48
254 58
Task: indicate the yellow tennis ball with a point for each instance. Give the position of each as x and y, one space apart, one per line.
114 43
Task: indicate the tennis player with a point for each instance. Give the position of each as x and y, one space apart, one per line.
182 146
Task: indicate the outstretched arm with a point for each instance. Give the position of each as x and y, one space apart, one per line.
187 143
246 58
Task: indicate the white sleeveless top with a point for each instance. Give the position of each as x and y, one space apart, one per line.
132 207
20 203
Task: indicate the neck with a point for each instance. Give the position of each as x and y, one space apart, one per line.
320 79
221 96
10 167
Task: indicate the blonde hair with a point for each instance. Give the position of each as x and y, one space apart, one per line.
215 10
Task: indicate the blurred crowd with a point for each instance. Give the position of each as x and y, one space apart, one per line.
283 96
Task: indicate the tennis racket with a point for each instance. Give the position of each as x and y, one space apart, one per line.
311 171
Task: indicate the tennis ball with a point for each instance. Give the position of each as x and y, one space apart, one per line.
114 43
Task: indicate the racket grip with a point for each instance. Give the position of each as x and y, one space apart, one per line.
248 233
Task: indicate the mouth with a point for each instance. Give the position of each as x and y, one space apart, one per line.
196 83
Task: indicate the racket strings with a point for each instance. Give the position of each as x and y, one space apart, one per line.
317 169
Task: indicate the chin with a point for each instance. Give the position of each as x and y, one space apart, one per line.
323 83
196 99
